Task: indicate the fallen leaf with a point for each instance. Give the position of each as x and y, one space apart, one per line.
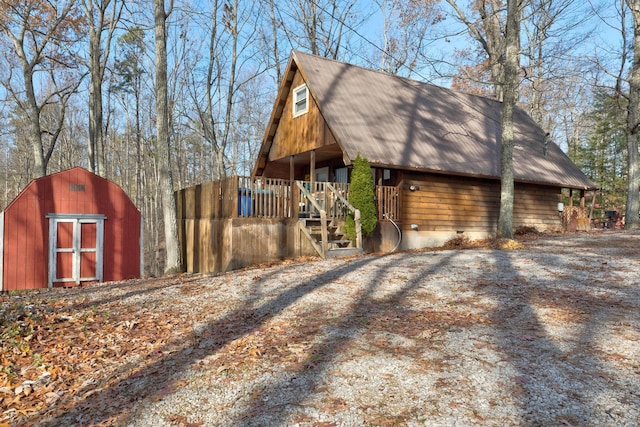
521 380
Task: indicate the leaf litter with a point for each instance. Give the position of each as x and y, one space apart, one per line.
401 339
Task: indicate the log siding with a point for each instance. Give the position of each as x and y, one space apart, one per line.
449 203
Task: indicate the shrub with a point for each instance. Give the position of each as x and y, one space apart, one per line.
361 196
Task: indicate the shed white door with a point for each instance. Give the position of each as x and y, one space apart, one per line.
75 248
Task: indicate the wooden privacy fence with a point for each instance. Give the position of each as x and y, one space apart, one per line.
246 197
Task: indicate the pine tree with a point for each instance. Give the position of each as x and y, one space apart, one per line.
601 155
361 196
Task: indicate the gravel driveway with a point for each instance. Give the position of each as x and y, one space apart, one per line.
548 335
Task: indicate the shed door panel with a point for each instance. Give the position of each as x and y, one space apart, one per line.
64 250
88 234
88 270
76 250
64 266
64 235
88 250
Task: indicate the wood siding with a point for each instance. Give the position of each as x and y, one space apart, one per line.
450 203
75 191
300 134
537 206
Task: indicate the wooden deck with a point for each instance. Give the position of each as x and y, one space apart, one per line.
241 221
245 197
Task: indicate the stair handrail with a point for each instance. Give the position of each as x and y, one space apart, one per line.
351 208
323 217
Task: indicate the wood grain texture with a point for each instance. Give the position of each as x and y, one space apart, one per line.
450 203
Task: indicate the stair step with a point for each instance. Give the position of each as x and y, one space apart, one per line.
343 252
338 245
339 241
332 231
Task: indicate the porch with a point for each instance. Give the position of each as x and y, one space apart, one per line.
241 221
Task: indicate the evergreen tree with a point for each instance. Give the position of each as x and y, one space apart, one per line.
361 196
601 156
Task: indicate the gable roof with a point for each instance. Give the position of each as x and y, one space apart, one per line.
99 191
401 123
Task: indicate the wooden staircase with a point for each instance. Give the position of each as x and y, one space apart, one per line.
323 232
335 244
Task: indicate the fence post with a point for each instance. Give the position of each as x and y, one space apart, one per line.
233 197
325 233
294 209
356 218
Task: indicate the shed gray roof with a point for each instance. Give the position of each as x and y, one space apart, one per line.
397 122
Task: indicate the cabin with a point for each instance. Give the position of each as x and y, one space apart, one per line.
438 149
435 158
69 228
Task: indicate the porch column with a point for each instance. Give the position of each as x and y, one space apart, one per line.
293 213
571 197
292 168
312 167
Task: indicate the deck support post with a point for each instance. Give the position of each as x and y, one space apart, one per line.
312 168
294 191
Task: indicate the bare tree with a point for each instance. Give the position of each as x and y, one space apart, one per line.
232 35
510 97
270 39
320 26
488 30
102 17
498 32
406 25
633 125
553 31
172 263
41 35
130 70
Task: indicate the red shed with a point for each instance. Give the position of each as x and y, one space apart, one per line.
69 228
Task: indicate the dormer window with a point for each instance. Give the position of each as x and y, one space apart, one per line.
300 100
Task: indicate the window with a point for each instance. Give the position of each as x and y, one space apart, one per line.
342 174
322 174
300 100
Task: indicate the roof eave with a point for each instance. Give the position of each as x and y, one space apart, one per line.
276 115
482 176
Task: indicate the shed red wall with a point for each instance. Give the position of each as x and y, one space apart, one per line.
74 191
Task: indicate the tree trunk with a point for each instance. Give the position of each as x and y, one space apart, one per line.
277 66
510 94
172 264
35 131
96 14
94 145
633 175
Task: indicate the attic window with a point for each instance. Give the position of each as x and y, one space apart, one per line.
300 100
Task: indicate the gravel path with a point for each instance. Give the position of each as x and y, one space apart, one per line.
548 335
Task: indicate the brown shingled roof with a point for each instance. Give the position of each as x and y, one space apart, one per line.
402 123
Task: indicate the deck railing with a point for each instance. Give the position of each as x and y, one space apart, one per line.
388 202
246 197
324 197
264 198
